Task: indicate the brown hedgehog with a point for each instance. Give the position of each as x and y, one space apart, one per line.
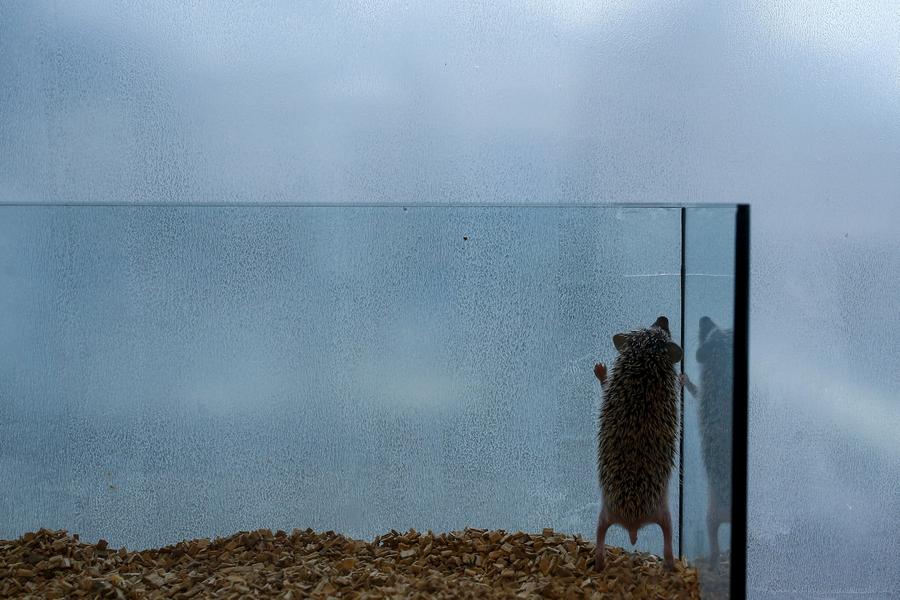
638 435
716 357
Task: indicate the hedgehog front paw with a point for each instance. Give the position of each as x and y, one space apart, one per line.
685 382
600 372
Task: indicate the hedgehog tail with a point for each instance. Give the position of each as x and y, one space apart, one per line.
633 534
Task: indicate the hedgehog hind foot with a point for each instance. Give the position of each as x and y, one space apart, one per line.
664 519
603 524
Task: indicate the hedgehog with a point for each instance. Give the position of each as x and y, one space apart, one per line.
637 435
715 357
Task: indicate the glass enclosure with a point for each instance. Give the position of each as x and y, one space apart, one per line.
171 372
710 452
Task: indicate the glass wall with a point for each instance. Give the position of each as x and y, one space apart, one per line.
709 401
171 372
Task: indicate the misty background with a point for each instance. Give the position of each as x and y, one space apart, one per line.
795 109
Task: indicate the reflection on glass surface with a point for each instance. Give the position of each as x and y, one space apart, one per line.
715 357
709 368
715 419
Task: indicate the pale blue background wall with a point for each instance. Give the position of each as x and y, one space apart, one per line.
795 109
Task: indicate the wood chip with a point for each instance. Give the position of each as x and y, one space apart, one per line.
474 563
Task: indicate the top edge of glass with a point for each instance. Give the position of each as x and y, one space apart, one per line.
360 205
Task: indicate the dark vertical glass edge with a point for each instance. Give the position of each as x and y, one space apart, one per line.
681 407
740 425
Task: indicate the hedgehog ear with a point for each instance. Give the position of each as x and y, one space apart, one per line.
619 341
706 325
674 351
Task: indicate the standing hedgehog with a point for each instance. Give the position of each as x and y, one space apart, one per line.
716 358
638 435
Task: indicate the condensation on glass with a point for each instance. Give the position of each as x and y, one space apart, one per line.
170 372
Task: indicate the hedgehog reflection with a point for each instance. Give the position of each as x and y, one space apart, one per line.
715 356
